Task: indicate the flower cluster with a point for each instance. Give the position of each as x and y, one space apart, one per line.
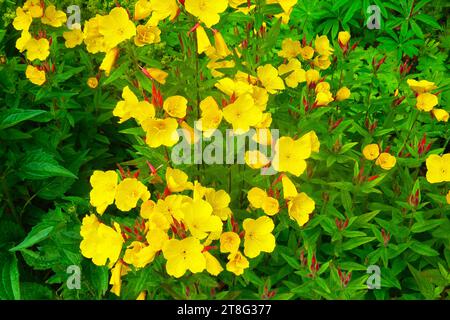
427 101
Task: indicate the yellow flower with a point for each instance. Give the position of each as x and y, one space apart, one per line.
312 138
124 108
234 87
220 49
290 48
212 264
176 106
34 7
438 168
171 207
128 192
109 61
138 254
116 27
299 208
177 180
307 52
92 82
183 255
94 40
323 62
322 46
142 295
100 243
371 151
35 75
242 114
426 101
421 86
161 132
142 9
117 272
103 191
37 49
53 17
229 242
386 161
289 189
261 97
161 9
147 209
147 35
255 159
312 76
158 75
21 43
270 206
189 133
237 263
23 20
156 238
211 116
448 197
323 98
203 43
269 78
322 87
258 237
256 197
142 111
263 135
290 155
296 73
73 38
219 201
237 4
344 37
199 219
214 65
440 115
343 94
207 11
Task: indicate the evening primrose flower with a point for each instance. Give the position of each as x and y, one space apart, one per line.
300 207
177 180
129 192
35 75
237 263
426 101
307 52
229 242
322 46
322 87
53 17
270 206
158 75
37 49
213 266
161 132
386 161
256 197
183 255
290 155
100 243
290 48
23 40
161 9
270 79
295 73
23 20
242 114
142 9
119 270
147 35
312 139
323 98
289 189
421 86
92 82
73 38
211 116
206 11
171 207
109 60
343 94
344 38
199 219
124 108
255 159
203 43
312 76
176 106
147 209
371 151
116 27
156 238
258 237
34 7
219 201
440 114
438 168
138 254
104 185
94 40
323 62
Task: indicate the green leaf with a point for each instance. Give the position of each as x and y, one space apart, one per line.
38 165
37 234
293 262
423 249
417 30
16 116
116 74
14 277
428 20
356 242
426 225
